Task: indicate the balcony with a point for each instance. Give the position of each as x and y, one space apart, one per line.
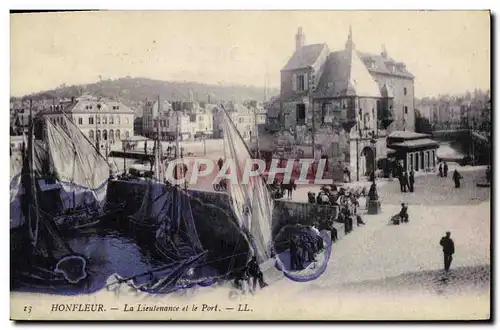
385 112
342 112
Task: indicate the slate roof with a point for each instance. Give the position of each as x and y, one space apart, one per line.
304 57
380 65
407 135
415 143
346 75
90 105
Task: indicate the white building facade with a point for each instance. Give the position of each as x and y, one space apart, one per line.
105 120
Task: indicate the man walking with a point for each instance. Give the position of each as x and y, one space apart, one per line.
445 170
411 180
448 250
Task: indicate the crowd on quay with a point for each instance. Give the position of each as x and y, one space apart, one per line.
347 203
304 246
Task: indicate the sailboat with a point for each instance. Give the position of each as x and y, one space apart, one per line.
251 202
46 258
148 217
83 174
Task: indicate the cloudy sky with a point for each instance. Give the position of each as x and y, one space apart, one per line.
448 52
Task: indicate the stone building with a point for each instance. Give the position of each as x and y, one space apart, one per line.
189 119
98 118
243 116
349 99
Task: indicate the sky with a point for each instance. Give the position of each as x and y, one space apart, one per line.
447 51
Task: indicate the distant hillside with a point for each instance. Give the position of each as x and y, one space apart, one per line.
134 91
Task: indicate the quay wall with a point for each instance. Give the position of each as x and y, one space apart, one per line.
208 206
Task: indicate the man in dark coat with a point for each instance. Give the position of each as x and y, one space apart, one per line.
401 180
445 169
411 180
333 233
347 173
405 182
440 169
295 262
220 162
256 274
456 178
319 199
308 249
404 213
448 250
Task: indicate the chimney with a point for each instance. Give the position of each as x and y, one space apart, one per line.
384 52
300 39
72 99
349 45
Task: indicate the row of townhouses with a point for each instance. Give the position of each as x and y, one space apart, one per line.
448 114
192 120
109 121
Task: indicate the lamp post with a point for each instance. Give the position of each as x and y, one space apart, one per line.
373 201
205 142
373 145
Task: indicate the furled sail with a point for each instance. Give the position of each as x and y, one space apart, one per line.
79 167
252 203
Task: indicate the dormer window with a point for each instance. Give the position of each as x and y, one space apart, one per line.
370 63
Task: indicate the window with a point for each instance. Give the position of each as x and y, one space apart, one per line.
98 119
301 114
80 121
98 135
126 134
111 135
117 134
405 90
406 110
301 83
105 135
98 107
91 120
104 119
366 120
111 120
118 120
127 121
200 118
91 134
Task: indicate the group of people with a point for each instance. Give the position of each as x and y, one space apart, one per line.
250 275
347 202
334 196
406 182
443 173
305 246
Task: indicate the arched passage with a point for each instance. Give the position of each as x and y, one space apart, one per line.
369 155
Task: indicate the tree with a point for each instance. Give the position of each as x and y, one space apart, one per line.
422 124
